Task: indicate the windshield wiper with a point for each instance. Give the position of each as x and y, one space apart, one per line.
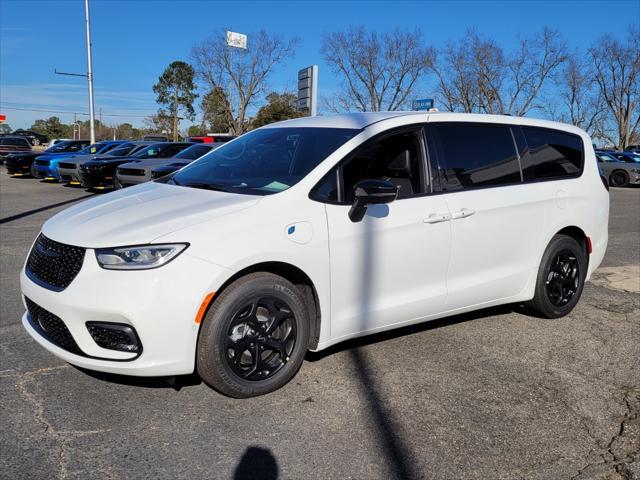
208 186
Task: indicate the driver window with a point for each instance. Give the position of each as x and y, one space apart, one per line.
396 158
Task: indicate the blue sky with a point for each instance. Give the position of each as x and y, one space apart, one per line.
134 40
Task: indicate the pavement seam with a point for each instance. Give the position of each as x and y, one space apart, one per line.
609 458
61 437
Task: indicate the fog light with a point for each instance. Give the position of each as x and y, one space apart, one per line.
115 336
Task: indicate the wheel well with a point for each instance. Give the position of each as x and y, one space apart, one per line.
299 279
578 235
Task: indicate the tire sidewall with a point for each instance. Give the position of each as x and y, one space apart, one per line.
212 364
557 244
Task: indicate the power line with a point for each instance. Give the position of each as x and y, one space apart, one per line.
76 112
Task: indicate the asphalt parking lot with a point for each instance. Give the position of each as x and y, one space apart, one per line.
493 394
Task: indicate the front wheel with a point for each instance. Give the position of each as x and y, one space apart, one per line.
619 178
254 337
561 277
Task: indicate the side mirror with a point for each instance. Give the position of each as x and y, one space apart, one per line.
371 192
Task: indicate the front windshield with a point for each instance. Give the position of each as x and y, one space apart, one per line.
151 151
264 161
122 150
193 152
607 157
91 149
63 147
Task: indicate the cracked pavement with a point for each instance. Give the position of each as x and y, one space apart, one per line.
492 394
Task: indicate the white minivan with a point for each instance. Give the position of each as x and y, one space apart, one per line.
308 232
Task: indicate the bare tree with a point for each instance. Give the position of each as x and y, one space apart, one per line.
617 72
379 72
476 75
580 100
241 73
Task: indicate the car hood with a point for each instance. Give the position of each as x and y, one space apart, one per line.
151 162
140 214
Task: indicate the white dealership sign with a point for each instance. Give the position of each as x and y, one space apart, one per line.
238 40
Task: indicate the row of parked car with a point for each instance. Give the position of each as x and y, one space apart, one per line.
111 164
621 168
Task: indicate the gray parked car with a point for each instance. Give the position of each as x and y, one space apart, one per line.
619 173
136 172
69 167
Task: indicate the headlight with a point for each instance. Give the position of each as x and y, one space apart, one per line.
141 257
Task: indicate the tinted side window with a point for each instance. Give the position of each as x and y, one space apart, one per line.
395 158
475 156
552 154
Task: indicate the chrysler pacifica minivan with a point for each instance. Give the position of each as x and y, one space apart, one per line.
309 232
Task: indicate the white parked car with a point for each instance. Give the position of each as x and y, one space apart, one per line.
305 233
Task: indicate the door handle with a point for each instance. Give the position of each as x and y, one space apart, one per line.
462 213
437 218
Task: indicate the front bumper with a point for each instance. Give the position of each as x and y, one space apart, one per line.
634 178
96 179
160 304
17 168
48 172
129 180
69 175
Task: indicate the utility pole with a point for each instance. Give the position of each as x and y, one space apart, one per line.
90 74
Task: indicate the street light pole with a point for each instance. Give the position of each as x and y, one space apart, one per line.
90 74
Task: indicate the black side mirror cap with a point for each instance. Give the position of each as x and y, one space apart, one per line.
370 192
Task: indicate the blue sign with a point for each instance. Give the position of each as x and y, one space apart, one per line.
423 104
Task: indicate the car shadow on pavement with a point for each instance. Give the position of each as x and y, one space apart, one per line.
177 382
18 216
400 460
257 463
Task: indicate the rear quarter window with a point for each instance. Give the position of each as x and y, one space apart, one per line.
551 154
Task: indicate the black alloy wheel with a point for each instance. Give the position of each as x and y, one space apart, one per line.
619 178
261 338
563 278
254 336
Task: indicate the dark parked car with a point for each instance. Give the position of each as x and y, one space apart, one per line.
22 163
9 144
34 138
68 168
100 173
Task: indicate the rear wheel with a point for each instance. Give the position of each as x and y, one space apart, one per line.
116 184
32 170
254 337
619 178
560 278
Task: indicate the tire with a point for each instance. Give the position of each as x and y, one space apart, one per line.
248 309
36 142
116 183
561 277
32 170
619 178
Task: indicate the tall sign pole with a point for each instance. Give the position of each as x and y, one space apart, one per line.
308 90
234 40
92 120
